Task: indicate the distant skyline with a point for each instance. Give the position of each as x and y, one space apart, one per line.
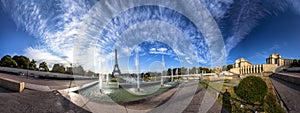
48 34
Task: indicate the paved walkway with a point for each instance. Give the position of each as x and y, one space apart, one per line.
42 83
289 92
291 74
30 101
39 96
190 97
195 105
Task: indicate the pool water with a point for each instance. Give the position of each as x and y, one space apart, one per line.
120 94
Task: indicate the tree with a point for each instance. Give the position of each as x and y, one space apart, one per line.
7 61
295 63
32 65
193 70
43 66
179 71
78 70
89 73
169 71
230 66
252 89
58 68
22 61
69 70
204 69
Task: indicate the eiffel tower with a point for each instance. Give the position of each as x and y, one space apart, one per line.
116 67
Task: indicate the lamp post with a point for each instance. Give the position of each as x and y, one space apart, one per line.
27 69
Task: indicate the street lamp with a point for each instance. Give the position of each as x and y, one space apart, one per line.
27 69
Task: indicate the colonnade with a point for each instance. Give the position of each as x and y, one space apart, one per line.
251 69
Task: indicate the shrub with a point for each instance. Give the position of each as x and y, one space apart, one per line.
252 89
114 80
226 80
271 106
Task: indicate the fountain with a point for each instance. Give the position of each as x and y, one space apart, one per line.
162 73
172 74
107 78
137 70
100 84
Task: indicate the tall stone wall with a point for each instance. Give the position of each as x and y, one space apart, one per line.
269 68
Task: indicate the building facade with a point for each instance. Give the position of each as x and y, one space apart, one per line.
241 62
276 58
242 66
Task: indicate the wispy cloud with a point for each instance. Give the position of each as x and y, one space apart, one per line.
54 23
244 15
41 55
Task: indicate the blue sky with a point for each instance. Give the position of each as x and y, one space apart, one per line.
250 30
275 34
13 40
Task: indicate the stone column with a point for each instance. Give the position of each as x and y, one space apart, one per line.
248 69
259 68
242 70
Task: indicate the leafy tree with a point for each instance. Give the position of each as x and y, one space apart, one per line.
204 69
69 70
89 73
296 63
183 71
228 67
32 65
78 70
169 71
193 70
252 89
7 61
58 68
179 71
22 61
43 66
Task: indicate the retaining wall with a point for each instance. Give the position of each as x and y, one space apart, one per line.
12 84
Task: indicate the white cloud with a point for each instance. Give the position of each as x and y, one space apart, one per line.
41 55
